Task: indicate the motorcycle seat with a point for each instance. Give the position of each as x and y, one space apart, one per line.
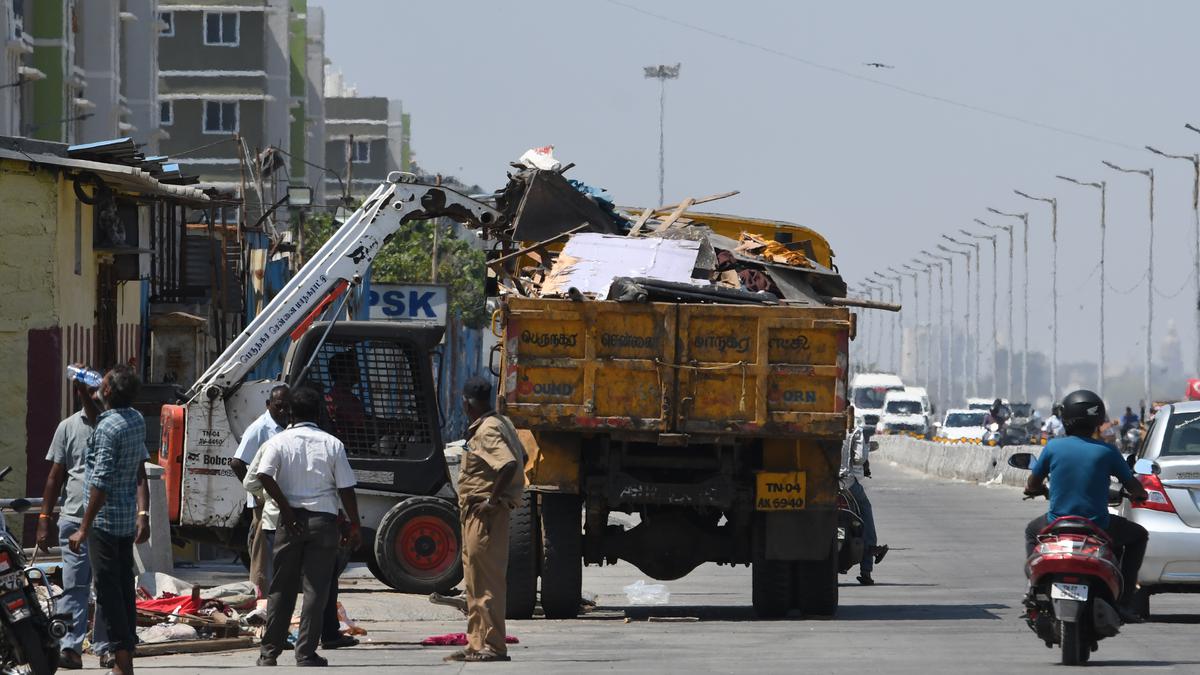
1076 525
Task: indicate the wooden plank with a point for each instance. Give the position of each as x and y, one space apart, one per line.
194 646
683 206
641 221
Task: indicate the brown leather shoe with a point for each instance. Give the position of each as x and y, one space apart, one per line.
69 659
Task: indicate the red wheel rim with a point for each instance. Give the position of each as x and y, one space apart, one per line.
426 546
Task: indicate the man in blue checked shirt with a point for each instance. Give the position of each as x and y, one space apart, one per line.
116 514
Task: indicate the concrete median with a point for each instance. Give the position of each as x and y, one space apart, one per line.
959 461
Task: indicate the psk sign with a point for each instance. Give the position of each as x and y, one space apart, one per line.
409 302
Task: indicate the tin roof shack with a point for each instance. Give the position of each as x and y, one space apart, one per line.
90 235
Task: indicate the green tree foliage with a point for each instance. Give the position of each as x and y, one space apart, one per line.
407 258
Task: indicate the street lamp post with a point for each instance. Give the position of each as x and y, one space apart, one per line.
944 331
883 285
1195 160
1146 379
916 315
1025 291
955 363
1053 288
896 325
995 356
662 73
1008 385
978 309
920 358
965 373
1103 188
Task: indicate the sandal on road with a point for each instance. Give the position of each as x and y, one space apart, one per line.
475 657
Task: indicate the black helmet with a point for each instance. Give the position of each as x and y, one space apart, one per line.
1083 410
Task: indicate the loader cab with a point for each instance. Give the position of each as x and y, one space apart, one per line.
376 379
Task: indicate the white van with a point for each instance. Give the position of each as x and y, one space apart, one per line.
867 394
906 412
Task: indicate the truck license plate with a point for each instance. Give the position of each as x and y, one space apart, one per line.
1069 591
780 491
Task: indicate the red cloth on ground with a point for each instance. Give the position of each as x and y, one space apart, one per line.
169 603
459 640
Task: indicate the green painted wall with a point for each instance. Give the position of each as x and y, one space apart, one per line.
297 54
49 95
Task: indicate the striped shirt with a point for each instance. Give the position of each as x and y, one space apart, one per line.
116 450
309 465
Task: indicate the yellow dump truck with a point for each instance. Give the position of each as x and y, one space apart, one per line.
716 427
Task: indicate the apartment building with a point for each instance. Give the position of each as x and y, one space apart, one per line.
236 79
79 72
366 137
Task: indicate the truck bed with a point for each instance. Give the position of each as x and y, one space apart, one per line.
702 370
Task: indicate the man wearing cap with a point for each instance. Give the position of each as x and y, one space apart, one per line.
490 485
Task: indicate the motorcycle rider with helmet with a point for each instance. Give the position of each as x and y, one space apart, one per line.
1079 467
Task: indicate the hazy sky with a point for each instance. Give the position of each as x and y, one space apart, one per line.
879 172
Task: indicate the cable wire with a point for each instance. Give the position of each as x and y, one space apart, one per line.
870 80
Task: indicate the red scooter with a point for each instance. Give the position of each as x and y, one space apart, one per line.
1074 582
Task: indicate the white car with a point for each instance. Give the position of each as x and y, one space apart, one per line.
905 412
1168 465
962 426
867 394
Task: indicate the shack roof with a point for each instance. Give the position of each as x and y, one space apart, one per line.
128 179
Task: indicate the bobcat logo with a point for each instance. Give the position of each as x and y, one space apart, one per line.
358 254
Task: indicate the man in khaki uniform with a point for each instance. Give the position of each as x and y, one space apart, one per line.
490 484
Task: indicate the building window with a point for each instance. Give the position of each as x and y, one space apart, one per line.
221 28
360 152
168 24
220 117
166 113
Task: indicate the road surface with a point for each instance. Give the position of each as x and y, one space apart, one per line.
947 600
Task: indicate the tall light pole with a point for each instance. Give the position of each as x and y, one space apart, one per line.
919 358
1148 173
995 357
662 73
1053 288
978 309
1103 188
882 284
896 326
1008 385
944 392
1025 291
967 300
1195 160
916 322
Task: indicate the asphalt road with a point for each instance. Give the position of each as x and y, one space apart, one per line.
947 600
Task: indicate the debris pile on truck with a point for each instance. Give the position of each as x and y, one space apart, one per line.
567 240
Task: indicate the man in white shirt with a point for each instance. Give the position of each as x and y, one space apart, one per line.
260 431
304 470
1053 426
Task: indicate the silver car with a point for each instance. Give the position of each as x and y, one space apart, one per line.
1168 466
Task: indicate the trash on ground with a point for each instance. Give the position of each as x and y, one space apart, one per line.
166 632
641 593
459 640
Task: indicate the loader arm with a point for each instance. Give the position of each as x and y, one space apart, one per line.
346 256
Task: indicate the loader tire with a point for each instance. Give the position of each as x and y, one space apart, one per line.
418 546
522 574
562 555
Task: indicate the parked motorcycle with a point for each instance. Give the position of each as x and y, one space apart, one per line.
1074 582
30 626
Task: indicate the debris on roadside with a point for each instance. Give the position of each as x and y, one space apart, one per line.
642 593
459 640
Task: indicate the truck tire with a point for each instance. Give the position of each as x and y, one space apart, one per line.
771 587
522 559
418 546
816 585
562 555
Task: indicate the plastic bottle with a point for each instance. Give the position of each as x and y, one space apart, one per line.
89 377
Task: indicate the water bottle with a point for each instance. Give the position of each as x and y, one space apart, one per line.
89 377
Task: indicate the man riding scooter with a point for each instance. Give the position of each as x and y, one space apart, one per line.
1079 467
